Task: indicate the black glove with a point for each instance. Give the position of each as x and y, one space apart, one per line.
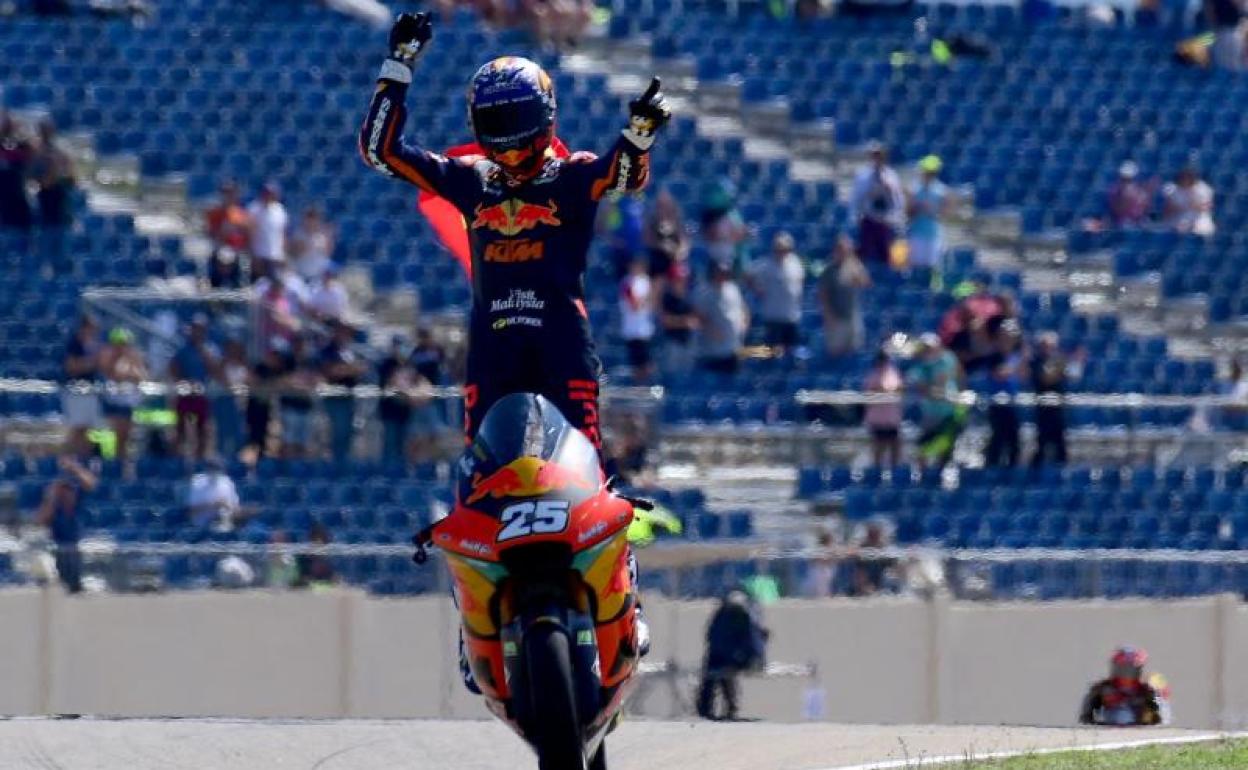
409 37
647 114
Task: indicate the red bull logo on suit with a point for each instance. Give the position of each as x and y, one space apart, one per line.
514 216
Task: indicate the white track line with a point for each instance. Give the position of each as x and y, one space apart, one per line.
921 762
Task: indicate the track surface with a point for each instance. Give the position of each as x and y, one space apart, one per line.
194 744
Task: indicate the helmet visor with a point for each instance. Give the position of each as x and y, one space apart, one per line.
510 125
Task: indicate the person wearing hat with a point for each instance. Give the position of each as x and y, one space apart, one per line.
877 204
123 367
777 281
1129 199
928 201
938 379
269 221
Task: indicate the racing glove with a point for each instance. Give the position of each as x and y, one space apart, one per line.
409 37
647 114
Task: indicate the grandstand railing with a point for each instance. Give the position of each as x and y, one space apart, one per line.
677 570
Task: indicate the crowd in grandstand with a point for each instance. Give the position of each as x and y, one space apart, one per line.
34 159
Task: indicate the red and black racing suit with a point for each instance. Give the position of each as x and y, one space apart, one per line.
528 329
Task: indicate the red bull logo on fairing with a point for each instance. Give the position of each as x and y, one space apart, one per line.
515 216
526 477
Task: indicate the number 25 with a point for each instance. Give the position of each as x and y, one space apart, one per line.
544 517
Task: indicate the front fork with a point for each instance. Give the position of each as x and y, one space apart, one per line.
583 646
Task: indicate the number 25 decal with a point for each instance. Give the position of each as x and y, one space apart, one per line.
544 517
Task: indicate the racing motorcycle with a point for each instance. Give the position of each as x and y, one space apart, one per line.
538 554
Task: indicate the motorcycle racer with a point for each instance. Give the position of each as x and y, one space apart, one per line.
530 220
529 216
1126 698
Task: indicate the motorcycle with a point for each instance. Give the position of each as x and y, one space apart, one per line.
538 554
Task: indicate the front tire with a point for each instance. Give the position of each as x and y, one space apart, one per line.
557 726
600 759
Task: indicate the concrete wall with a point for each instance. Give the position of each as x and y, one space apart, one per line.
341 654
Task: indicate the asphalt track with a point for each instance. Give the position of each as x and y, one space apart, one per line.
223 744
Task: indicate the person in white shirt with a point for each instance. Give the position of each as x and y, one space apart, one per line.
637 303
329 301
312 246
878 205
1189 204
212 498
269 221
777 282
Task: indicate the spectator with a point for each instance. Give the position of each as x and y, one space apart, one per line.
778 283
665 236
1129 200
678 320
212 499
840 286
637 300
620 222
329 300
1223 17
231 377
557 23
736 641
397 378
229 230
59 512
297 386
1189 204
282 570
938 379
1006 375
53 170
16 155
80 398
822 570
1048 381
279 309
269 221
928 203
629 449
342 368
884 420
722 321
192 367
123 368
878 205
312 246
315 569
723 229
428 359
871 575
264 383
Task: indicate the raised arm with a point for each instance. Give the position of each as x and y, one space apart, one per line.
627 167
381 137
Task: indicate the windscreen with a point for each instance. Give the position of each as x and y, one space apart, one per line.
525 448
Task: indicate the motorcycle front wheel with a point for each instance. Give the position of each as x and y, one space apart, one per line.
600 759
557 732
